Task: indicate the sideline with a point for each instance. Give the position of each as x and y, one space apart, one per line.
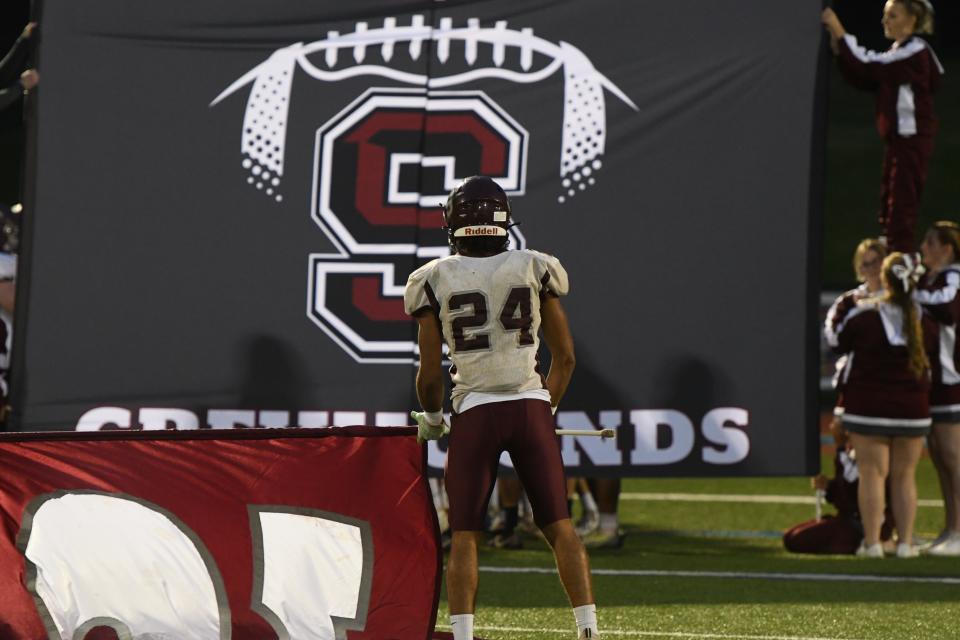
740 497
747 575
646 634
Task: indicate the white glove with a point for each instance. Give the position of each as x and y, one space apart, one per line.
427 426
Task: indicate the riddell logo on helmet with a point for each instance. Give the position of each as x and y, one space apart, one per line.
481 231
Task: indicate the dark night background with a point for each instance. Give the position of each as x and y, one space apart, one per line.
853 148
13 17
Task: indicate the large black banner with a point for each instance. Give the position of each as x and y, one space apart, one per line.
227 197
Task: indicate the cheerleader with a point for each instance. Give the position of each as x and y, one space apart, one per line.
939 297
867 260
904 79
886 385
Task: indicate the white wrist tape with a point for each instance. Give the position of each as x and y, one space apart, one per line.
553 409
433 417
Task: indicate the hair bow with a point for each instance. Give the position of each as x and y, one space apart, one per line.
908 273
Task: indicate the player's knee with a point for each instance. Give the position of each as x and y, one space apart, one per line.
560 532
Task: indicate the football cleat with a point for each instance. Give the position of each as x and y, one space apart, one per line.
600 539
587 524
527 526
505 541
497 523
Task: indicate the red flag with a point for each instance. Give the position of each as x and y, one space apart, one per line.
312 533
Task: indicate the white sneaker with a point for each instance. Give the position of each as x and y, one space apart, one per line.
943 535
949 547
905 550
871 551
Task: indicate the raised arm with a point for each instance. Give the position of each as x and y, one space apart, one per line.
836 329
941 303
866 69
836 315
16 58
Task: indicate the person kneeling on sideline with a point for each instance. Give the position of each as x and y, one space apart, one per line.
840 533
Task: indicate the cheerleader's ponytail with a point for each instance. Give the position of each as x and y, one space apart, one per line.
901 273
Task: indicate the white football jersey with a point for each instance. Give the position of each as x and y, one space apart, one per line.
489 311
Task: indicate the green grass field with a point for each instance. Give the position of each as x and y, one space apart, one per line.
725 538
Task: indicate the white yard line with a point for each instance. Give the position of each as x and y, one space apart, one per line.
740 497
750 575
644 634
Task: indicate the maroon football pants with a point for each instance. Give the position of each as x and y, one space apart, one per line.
904 174
524 429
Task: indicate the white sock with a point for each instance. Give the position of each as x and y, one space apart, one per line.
609 522
462 625
586 619
589 504
436 492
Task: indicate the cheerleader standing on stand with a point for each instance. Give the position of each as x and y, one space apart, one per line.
904 79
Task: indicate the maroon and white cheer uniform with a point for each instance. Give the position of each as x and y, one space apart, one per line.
881 395
904 79
940 296
837 311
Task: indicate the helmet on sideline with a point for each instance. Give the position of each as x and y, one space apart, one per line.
477 216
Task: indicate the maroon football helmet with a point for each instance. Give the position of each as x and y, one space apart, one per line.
477 216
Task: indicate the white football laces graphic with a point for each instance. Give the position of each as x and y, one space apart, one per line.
584 112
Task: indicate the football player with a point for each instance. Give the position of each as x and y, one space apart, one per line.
489 305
